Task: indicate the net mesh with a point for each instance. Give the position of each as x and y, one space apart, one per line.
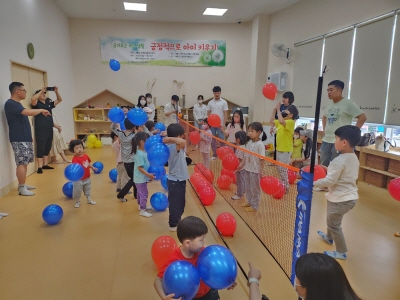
273 222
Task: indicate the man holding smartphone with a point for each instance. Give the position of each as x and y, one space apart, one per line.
44 125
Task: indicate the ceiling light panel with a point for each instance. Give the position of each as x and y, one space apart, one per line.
135 6
214 11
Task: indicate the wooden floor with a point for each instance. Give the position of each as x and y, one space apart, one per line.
103 251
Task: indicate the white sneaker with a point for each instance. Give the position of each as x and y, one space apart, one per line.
3 214
122 199
77 204
30 187
24 192
144 213
323 189
90 201
172 229
236 197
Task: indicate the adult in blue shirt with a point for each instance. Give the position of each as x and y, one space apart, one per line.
20 133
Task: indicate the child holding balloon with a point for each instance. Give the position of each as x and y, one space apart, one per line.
177 175
191 233
76 147
253 166
140 174
205 143
128 157
341 180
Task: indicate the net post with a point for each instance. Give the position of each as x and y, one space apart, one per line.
304 190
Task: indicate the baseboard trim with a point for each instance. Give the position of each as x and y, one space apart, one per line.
8 188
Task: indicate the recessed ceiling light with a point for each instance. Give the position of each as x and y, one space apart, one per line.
214 11
135 6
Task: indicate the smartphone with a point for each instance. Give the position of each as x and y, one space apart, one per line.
50 88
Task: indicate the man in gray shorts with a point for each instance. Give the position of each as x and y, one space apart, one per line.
20 133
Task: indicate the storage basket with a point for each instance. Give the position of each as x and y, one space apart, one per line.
375 179
377 162
394 167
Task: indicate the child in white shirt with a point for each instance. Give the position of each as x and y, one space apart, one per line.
341 178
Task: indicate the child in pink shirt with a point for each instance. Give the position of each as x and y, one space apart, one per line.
236 125
205 143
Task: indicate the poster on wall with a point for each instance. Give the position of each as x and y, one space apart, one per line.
164 52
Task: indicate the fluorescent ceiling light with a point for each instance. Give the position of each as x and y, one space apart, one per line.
135 6
214 11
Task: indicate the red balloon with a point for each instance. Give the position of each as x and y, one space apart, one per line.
231 174
291 176
209 175
230 162
199 168
270 91
279 191
394 188
194 137
214 120
195 178
224 182
224 151
202 185
226 224
319 172
269 184
207 196
161 250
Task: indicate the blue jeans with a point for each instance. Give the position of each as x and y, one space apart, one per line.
216 132
328 153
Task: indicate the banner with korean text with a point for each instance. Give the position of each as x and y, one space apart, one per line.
164 52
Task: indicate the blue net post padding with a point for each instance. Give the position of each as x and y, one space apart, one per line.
302 223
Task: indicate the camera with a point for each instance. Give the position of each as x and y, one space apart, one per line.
50 88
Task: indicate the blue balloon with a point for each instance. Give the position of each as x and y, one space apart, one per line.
114 65
151 141
122 124
67 189
182 279
99 167
159 126
116 114
158 154
113 175
217 267
137 116
52 214
74 172
159 201
164 182
158 171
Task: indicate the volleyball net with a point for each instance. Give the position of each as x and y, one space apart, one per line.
264 194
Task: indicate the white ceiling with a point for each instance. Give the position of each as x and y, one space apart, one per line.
188 11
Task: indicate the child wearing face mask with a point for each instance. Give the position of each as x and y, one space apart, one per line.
142 103
236 125
150 104
171 111
297 147
205 143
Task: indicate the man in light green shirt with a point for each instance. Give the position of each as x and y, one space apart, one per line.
339 112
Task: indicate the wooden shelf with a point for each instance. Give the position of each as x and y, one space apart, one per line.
380 172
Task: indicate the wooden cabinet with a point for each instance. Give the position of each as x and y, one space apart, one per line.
95 119
378 168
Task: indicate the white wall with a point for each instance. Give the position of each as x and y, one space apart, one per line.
310 18
91 76
46 26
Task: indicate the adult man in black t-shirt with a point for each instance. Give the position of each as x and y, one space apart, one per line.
44 126
20 133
